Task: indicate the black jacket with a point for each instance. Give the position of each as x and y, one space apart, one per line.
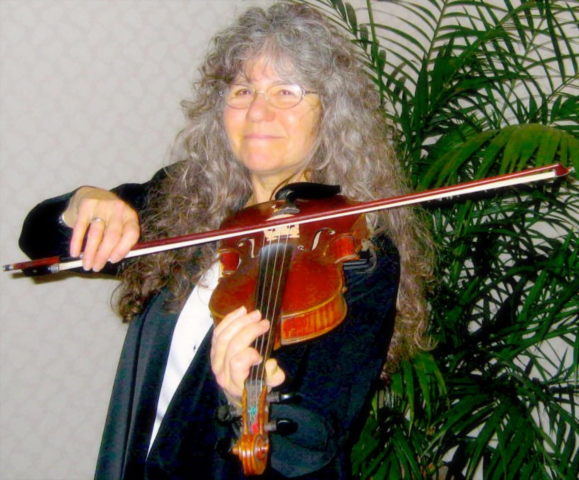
331 378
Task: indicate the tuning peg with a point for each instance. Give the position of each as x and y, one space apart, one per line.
278 397
226 414
282 426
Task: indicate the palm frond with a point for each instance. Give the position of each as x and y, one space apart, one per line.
478 88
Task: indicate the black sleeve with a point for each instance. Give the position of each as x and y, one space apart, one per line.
43 235
334 375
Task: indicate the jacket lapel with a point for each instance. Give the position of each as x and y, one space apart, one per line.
153 350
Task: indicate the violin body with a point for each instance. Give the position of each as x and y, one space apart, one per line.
312 301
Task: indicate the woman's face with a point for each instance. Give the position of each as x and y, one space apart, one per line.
272 143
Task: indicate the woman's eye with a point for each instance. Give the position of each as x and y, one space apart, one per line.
241 92
286 93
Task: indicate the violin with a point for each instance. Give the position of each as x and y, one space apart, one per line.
285 259
293 276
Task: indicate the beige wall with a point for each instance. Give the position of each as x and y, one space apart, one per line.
89 94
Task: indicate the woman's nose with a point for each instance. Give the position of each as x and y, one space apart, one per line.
260 109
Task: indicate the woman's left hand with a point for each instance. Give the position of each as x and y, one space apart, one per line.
232 355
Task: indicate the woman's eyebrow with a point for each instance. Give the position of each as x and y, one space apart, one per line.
246 82
243 79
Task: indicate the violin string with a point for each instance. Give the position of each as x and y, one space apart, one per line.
269 312
278 267
264 268
278 294
262 276
252 397
272 277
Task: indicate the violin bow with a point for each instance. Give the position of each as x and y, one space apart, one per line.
60 263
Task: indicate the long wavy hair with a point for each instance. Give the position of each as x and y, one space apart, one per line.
206 183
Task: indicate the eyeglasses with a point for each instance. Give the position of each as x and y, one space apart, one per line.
278 96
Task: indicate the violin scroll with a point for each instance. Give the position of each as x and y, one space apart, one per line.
252 447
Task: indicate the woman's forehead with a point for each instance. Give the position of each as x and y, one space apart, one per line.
270 68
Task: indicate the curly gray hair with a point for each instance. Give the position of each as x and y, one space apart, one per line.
353 149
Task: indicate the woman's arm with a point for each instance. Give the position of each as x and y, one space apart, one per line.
58 226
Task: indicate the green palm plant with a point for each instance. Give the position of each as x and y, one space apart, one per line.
476 88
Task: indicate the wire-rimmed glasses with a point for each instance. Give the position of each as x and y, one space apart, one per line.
281 96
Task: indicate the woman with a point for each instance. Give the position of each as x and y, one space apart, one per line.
282 99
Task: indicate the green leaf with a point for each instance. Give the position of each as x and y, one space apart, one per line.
352 20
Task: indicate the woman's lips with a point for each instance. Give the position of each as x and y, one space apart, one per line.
260 136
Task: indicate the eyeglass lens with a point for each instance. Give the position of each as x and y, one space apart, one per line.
278 96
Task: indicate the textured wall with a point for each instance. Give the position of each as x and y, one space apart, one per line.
89 94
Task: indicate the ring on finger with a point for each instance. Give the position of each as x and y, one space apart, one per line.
97 219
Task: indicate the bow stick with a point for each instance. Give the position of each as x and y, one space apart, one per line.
58 264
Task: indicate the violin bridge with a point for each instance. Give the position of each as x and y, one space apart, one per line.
288 231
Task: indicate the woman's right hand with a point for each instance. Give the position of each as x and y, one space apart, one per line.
111 227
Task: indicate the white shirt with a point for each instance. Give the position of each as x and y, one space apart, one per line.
192 326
